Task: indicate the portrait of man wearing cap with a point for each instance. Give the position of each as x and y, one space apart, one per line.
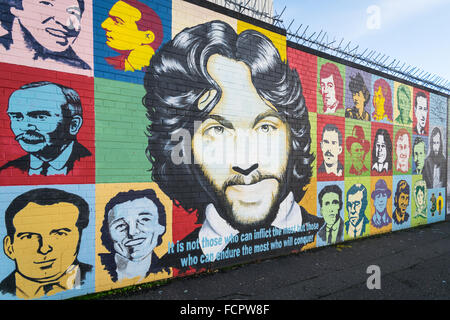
358 147
380 196
401 202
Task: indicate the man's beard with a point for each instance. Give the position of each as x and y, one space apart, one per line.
437 157
225 208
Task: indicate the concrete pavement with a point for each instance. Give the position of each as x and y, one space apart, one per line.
414 264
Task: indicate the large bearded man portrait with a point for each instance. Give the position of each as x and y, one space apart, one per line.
246 141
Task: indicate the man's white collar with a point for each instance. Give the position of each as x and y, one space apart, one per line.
215 227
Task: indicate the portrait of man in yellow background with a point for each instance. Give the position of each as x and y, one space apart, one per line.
133 30
132 233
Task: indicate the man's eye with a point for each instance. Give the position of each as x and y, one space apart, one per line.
26 236
266 128
215 131
143 221
46 3
120 227
16 117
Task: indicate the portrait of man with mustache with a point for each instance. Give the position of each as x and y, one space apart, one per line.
331 146
247 156
45 119
43 30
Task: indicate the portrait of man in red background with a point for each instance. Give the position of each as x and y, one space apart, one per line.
331 88
330 147
48 121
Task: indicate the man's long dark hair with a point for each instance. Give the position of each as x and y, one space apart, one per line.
176 79
388 142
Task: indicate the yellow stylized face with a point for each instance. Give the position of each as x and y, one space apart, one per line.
45 242
121 30
379 100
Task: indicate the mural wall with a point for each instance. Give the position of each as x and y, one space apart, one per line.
147 139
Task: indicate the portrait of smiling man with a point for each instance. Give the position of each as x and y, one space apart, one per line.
133 226
44 228
251 151
44 30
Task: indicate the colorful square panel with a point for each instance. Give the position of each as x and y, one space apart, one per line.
330 206
382 150
122 258
357 206
49 233
382 106
127 33
357 97
401 206
306 66
121 139
330 87
402 150
48 122
52 35
357 148
186 15
330 147
278 40
421 112
381 205
419 201
403 105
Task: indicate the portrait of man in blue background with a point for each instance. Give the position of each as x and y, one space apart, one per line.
119 36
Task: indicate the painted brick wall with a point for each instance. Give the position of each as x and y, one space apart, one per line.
144 140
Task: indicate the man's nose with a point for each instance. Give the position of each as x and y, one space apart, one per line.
27 124
45 246
105 24
133 229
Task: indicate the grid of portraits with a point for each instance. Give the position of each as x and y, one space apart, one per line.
101 191
380 150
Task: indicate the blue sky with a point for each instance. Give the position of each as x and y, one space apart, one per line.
416 32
